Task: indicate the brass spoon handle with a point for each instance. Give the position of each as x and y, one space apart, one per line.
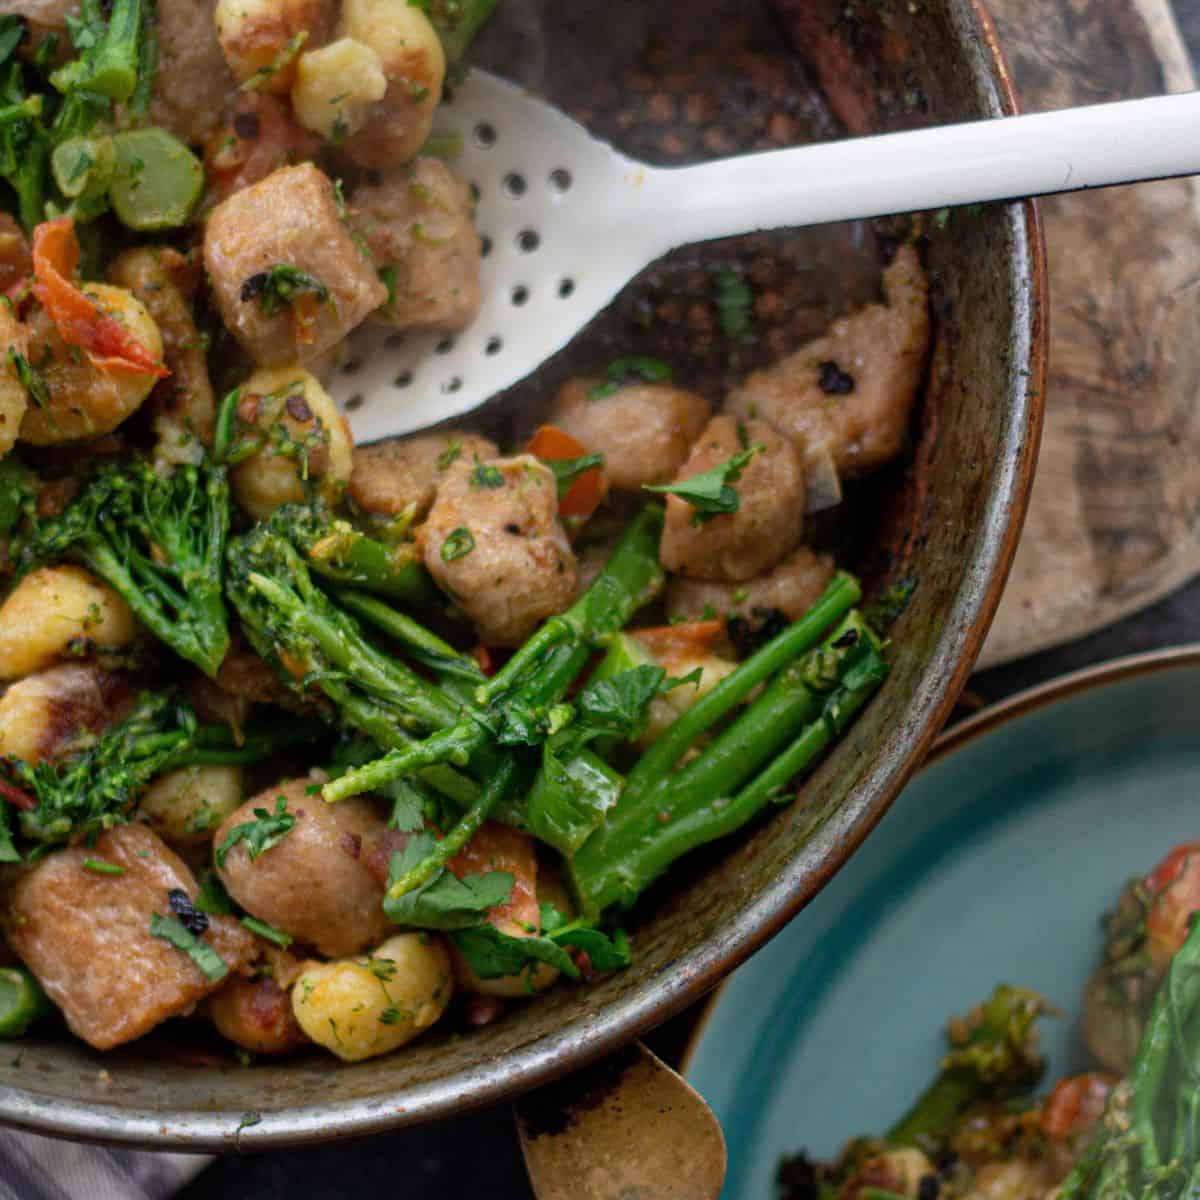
626 1128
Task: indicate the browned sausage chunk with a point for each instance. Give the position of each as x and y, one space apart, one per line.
791 588
852 390
192 80
86 936
289 220
256 1014
390 477
417 222
314 884
493 541
644 430
769 521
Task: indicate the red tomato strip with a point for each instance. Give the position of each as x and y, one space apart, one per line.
586 493
16 797
80 322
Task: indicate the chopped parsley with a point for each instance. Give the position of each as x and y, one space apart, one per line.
201 953
710 492
459 544
449 455
391 1016
734 302
282 285
567 470
267 830
387 276
486 477
269 932
626 370
101 867
30 379
280 62
211 896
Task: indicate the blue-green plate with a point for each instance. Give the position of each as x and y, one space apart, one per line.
993 866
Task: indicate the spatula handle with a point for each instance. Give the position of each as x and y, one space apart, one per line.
999 159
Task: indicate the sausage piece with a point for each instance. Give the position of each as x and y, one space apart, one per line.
257 1015
391 477
289 220
192 80
644 430
86 936
851 391
417 222
769 521
314 883
791 588
494 542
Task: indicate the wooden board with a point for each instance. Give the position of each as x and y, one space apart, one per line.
1116 504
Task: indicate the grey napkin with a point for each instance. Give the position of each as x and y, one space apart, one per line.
33 1167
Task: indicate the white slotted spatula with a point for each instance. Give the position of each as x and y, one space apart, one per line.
567 221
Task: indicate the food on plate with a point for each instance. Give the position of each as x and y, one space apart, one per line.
316 744
1125 1128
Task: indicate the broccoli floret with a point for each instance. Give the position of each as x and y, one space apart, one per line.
160 543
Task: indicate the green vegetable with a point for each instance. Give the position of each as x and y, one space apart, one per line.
159 542
31 380
570 797
100 867
96 786
492 954
997 1058
157 182
567 470
484 476
626 370
18 487
456 21
442 901
200 952
458 544
12 30
735 303
266 830
211 896
710 492
269 932
111 51
280 286
83 169
22 1001
280 62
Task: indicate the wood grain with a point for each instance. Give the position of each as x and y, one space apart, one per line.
1113 521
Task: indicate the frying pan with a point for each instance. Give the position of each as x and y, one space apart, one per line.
673 81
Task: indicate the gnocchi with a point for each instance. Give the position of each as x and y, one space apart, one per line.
335 88
185 806
58 611
83 399
305 444
261 38
363 1007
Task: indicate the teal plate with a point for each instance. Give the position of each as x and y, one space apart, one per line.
993 866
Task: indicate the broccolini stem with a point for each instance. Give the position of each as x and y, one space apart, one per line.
498 787
110 66
652 769
421 644
447 746
341 642
815 697
349 557
215 745
631 578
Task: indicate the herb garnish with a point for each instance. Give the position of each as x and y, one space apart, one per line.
201 953
30 379
387 276
259 835
459 544
445 901
280 62
448 456
269 932
710 493
567 470
282 285
624 370
486 477
734 302
101 867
